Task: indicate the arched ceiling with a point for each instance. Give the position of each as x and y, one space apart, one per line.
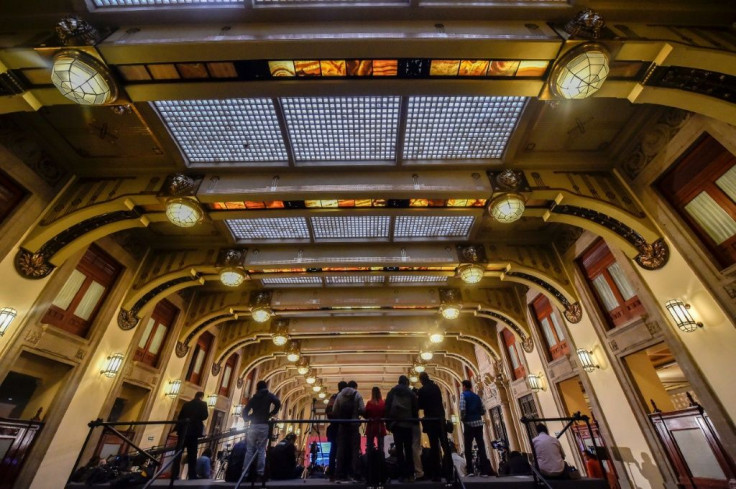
350 200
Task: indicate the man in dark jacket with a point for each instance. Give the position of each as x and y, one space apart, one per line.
430 400
401 405
282 459
189 427
333 429
258 411
471 414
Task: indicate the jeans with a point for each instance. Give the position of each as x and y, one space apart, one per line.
403 438
255 442
470 434
348 451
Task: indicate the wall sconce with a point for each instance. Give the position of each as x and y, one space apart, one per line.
680 312
212 400
7 314
298 431
174 388
586 360
535 382
237 410
453 418
289 429
114 362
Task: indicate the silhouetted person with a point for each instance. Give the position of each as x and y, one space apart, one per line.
430 400
258 411
549 454
189 428
376 430
517 464
333 430
401 405
349 404
282 459
471 413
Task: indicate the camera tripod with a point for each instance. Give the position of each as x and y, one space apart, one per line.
313 427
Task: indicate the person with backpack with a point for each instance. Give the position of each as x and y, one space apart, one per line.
471 414
401 406
333 429
349 404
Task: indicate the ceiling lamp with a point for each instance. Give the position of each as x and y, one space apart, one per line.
426 354
82 78
325 401
437 335
413 377
261 314
311 378
316 387
450 311
293 354
280 338
580 72
183 212
507 208
471 273
322 395
302 368
232 277
419 367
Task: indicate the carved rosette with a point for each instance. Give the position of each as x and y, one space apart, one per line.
127 319
573 312
653 256
240 383
181 349
527 344
32 265
216 367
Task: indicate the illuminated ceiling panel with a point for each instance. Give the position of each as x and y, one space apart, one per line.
342 128
353 279
271 281
433 226
225 131
317 3
269 228
460 127
351 227
416 279
163 3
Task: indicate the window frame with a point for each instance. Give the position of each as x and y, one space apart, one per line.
64 318
204 344
163 315
542 309
224 389
509 340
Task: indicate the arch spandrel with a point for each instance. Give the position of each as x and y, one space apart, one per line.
498 304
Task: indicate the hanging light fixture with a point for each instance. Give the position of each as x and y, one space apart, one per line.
471 273
413 377
426 354
680 312
507 208
292 353
325 401
183 212
322 395
82 78
580 72
311 377
232 276
534 382
114 363
261 314
586 360
436 334
174 388
7 314
450 310
317 387
302 367
419 367
280 334
212 400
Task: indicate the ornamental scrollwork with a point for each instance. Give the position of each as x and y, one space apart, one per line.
573 312
216 367
181 349
127 319
32 265
653 256
527 344
240 383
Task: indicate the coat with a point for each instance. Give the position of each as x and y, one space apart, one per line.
196 412
430 400
375 410
401 403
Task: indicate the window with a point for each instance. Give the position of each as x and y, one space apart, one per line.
75 306
11 194
516 367
196 366
549 321
156 332
227 375
701 187
613 290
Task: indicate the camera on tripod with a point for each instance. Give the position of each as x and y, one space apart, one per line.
499 445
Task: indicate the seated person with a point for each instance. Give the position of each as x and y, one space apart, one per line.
235 462
458 461
549 453
204 464
282 459
593 465
517 464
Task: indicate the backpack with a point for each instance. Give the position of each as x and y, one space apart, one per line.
330 405
347 406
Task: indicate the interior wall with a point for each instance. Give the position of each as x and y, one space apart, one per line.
51 376
647 381
573 397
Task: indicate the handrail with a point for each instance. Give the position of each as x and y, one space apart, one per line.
537 477
250 462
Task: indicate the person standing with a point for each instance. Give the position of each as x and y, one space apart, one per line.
548 453
471 413
376 429
333 429
401 406
349 404
430 400
189 427
258 411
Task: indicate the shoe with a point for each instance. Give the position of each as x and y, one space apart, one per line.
470 475
484 475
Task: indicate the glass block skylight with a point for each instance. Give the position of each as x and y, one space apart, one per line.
416 279
269 228
274 3
231 130
342 128
459 127
433 226
351 227
271 281
354 279
163 3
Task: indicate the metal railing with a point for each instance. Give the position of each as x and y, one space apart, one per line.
18 436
